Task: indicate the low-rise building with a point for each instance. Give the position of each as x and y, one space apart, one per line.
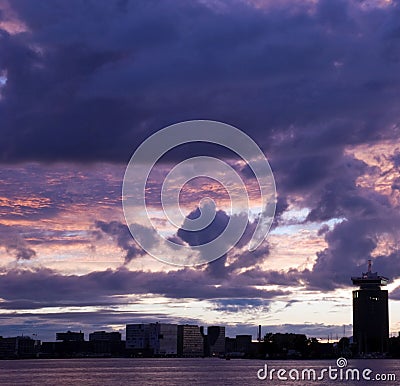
114 336
70 336
18 347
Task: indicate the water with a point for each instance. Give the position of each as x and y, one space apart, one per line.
172 371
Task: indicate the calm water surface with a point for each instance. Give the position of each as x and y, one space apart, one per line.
165 372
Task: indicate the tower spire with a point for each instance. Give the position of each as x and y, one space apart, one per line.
370 279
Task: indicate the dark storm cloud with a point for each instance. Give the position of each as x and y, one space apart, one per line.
272 73
281 206
91 80
222 268
369 216
270 277
327 185
396 159
46 286
33 305
350 244
207 234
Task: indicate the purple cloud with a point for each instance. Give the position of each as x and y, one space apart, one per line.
287 83
44 285
305 84
120 233
15 244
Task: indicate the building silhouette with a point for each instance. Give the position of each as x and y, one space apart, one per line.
163 339
18 347
215 341
138 338
105 343
152 339
370 313
190 341
105 336
70 336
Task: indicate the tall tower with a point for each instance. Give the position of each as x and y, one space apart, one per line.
370 313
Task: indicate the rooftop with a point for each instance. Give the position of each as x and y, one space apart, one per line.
369 279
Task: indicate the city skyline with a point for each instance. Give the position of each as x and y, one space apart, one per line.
331 332
160 340
82 85
331 336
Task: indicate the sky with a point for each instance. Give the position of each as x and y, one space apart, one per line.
315 83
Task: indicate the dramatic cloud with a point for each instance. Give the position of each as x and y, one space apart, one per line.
207 234
82 84
44 285
15 244
120 233
292 76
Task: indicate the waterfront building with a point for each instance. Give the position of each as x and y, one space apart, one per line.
370 313
190 341
137 336
215 341
114 336
70 336
163 339
18 347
